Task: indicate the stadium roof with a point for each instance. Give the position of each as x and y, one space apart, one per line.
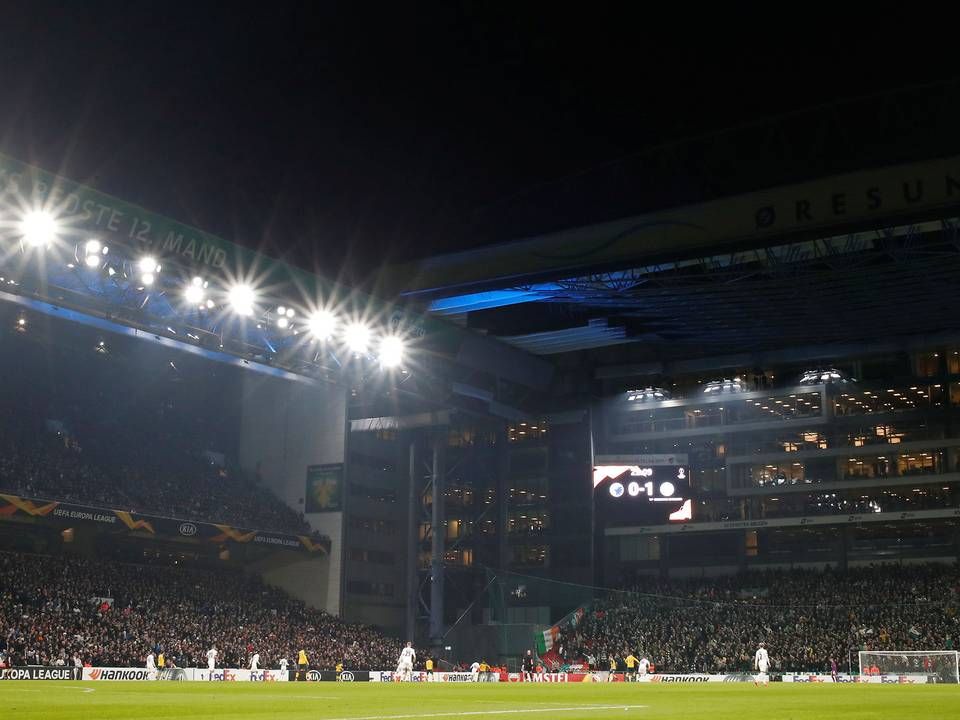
109 288
862 255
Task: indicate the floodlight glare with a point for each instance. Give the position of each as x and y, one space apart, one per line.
194 292
241 299
322 323
149 269
391 351
38 228
283 323
357 337
93 249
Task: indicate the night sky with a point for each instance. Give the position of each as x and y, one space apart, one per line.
350 134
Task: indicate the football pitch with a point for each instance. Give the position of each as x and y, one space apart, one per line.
28 700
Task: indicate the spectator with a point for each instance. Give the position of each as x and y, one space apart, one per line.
51 468
50 615
805 617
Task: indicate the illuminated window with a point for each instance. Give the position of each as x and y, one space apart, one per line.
530 555
927 364
953 362
955 393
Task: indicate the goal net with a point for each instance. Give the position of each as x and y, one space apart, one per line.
937 665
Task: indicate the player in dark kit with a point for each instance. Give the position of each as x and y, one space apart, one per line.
526 666
833 670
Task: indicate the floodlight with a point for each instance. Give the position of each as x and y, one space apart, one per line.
357 337
391 351
322 324
38 228
195 291
241 299
149 269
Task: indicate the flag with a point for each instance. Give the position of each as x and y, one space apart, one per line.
547 639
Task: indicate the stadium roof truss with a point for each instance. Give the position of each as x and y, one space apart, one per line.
748 273
90 270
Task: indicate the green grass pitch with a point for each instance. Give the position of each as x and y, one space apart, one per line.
25 700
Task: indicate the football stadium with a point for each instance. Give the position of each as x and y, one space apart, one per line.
698 458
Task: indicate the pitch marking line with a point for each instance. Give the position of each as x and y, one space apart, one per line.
57 687
457 713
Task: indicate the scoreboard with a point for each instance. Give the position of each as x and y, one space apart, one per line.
627 489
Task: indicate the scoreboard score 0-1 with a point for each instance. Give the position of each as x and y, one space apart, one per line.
624 488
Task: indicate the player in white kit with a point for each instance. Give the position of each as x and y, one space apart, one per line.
762 663
151 667
211 660
405 667
643 667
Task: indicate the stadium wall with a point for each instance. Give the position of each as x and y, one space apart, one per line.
285 428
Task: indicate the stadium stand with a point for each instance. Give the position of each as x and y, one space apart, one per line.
179 484
805 618
53 609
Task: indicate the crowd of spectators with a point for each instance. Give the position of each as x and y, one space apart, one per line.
187 487
804 617
66 610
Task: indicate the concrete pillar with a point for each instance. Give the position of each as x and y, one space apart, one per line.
503 497
439 531
413 542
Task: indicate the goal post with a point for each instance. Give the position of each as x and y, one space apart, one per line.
941 665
